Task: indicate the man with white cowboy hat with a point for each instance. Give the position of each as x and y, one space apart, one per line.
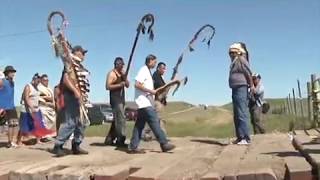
239 81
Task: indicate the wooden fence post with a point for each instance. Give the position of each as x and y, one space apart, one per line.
294 102
309 101
315 108
300 99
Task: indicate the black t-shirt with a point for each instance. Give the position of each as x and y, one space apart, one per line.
157 80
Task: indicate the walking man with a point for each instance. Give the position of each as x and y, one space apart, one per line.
116 81
71 110
158 82
7 103
255 105
144 92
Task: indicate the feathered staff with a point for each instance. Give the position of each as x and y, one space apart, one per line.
146 24
142 28
77 73
207 32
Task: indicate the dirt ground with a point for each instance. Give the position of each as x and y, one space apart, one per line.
194 158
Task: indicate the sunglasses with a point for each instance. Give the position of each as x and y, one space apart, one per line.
233 52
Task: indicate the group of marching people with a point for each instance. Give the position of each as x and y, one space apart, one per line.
40 106
37 110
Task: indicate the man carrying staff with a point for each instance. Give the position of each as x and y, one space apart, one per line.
72 98
144 92
158 82
115 83
47 104
7 103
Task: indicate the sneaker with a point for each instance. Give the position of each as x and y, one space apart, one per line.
121 142
236 141
76 150
147 137
167 147
58 151
243 142
136 151
12 145
109 141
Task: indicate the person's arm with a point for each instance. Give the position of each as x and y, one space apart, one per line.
140 86
68 82
247 72
1 83
127 84
260 90
26 98
46 98
56 98
111 78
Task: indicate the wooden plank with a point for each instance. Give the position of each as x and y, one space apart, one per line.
272 151
310 149
298 168
154 166
299 132
5 169
227 163
70 173
195 165
265 174
111 172
313 133
211 176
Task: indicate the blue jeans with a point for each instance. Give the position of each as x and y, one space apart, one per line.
240 101
71 122
150 116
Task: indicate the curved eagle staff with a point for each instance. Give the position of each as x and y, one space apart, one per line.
208 31
142 27
75 70
145 26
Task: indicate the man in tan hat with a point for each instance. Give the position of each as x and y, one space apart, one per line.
7 103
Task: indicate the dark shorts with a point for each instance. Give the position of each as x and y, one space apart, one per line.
11 117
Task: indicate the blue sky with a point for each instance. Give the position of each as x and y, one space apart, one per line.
282 38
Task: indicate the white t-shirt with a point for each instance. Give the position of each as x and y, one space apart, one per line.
145 78
2 76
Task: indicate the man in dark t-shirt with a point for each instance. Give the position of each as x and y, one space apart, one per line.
115 83
157 83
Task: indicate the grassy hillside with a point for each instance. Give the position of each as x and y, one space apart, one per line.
184 119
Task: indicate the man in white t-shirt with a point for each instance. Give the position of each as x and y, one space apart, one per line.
144 98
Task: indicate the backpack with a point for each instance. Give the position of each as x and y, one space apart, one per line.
265 107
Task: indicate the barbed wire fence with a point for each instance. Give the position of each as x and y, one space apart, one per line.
303 106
